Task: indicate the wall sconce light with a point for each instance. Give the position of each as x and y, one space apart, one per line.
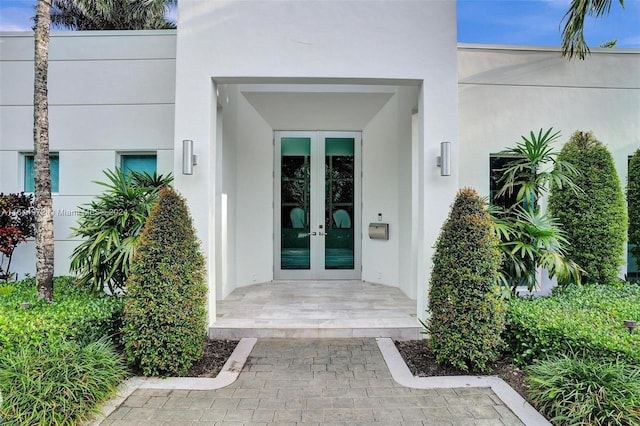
444 160
188 159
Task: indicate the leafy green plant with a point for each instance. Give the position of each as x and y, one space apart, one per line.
594 219
466 310
77 314
589 318
17 223
60 384
574 390
110 226
633 199
531 238
165 319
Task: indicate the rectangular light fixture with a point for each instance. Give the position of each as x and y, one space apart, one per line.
188 159
444 160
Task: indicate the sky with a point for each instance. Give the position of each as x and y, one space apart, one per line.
511 22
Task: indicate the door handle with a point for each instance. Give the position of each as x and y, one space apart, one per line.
322 234
311 233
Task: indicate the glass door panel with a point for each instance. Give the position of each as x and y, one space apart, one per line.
339 203
295 192
317 205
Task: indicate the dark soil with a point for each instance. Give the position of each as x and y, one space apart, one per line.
216 353
422 363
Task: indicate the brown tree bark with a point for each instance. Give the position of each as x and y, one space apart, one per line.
42 169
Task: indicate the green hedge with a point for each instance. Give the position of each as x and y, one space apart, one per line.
467 313
75 314
595 219
585 319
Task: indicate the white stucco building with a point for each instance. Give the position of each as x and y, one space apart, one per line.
310 120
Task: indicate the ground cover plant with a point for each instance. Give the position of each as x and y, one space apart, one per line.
109 227
586 319
56 363
466 310
594 219
165 318
585 390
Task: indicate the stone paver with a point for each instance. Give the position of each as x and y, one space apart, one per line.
314 381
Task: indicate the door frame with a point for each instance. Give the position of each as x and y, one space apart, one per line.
317 247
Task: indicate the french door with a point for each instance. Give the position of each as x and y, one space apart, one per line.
317 205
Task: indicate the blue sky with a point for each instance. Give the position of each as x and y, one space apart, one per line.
519 22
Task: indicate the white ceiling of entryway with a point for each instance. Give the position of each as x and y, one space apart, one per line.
317 110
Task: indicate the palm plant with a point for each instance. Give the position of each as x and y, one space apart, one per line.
573 42
531 238
85 15
110 226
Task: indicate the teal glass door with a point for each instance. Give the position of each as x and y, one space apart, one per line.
317 205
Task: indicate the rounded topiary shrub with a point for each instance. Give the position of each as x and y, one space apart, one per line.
165 319
633 199
467 311
594 219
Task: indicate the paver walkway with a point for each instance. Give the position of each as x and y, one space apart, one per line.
310 381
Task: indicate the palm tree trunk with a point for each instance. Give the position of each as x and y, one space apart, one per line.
42 170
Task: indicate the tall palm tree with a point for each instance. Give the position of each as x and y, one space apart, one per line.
42 171
573 43
84 15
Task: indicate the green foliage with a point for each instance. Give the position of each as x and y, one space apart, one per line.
573 390
59 384
530 238
585 318
110 226
76 314
165 319
594 220
633 198
17 223
467 312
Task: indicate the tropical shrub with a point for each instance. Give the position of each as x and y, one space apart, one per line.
466 310
531 238
594 219
587 318
633 200
17 223
110 226
77 314
61 384
165 319
577 390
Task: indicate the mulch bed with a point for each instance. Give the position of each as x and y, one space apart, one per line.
422 363
216 353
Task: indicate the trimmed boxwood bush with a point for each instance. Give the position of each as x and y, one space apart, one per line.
467 312
165 319
633 198
588 319
594 219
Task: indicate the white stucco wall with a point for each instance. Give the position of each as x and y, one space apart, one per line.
506 92
292 42
109 93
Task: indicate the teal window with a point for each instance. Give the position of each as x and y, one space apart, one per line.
140 163
29 174
633 263
497 166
